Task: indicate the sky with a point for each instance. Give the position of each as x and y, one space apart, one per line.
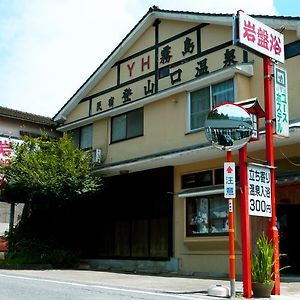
48 48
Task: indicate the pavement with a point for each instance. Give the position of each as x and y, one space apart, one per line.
179 285
195 288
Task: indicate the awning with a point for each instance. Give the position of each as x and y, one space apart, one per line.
252 106
288 178
202 191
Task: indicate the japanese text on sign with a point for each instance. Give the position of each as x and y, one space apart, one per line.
6 150
281 102
229 180
259 183
261 37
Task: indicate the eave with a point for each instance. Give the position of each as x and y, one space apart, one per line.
188 155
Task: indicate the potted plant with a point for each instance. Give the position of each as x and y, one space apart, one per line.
262 268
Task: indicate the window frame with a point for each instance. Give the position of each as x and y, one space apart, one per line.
112 141
197 189
191 224
79 132
211 100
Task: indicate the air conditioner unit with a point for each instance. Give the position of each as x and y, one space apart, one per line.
97 155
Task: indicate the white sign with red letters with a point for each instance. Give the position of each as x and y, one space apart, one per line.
5 148
260 37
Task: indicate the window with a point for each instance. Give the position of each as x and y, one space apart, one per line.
222 92
198 179
292 49
128 125
202 101
206 215
199 107
83 137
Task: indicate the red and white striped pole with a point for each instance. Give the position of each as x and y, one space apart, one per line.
231 238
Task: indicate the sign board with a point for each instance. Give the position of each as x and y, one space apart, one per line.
229 180
5 148
281 102
259 190
259 37
255 131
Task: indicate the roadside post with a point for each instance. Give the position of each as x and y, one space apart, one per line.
263 40
273 230
245 224
230 193
229 127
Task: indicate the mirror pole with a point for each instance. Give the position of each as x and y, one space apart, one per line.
231 238
273 231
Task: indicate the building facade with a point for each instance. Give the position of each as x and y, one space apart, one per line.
142 112
14 125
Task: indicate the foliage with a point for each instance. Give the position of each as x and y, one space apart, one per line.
54 180
42 168
27 251
262 260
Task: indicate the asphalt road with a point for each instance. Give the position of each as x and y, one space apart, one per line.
25 285
79 284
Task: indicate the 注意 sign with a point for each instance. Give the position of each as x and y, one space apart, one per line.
260 37
281 102
229 180
259 190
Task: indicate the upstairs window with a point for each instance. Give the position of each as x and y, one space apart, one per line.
83 137
203 100
128 125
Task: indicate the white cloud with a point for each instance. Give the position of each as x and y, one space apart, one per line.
50 47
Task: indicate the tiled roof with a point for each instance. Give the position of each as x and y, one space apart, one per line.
156 8
20 115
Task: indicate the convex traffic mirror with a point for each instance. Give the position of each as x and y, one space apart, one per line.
228 127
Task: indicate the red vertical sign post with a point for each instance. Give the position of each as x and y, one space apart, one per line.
231 235
273 231
233 133
269 43
245 224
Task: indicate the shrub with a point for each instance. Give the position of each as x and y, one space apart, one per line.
262 260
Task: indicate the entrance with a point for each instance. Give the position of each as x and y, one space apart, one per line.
288 224
131 218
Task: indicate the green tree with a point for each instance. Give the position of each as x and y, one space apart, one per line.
42 168
54 180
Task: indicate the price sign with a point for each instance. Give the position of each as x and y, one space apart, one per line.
259 191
